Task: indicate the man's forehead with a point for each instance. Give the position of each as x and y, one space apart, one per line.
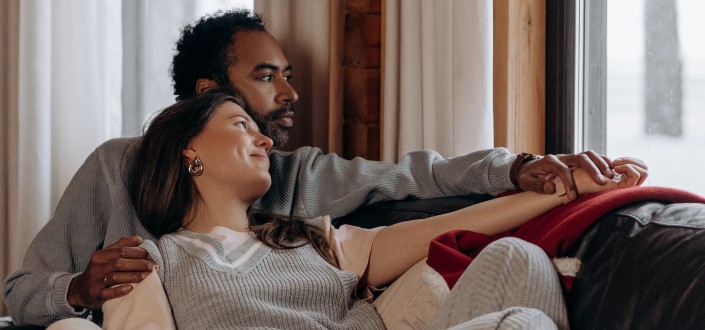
258 50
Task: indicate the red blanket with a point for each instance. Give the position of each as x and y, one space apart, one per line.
555 231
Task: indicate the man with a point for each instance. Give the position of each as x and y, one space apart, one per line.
69 270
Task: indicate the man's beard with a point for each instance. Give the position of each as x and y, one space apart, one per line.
268 126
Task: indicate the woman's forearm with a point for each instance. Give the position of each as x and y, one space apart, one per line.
398 247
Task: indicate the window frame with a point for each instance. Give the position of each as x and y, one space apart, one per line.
575 97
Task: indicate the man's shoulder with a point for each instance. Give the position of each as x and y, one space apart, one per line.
113 155
117 148
118 144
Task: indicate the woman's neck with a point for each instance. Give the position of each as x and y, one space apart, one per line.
228 213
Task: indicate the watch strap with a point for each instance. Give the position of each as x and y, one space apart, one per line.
516 166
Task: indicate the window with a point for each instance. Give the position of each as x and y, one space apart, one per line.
633 74
150 31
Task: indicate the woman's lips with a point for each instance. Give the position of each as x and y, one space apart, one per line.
263 159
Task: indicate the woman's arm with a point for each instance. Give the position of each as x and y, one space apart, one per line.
398 247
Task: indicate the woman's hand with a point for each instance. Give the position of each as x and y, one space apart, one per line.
627 174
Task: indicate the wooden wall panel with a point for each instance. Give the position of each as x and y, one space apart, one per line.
519 74
361 79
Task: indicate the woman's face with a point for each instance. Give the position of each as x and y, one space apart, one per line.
234 154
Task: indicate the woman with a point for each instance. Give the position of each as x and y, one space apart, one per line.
200 166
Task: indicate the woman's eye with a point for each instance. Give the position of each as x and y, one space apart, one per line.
242 123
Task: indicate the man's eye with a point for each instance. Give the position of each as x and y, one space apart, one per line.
266 78
288 77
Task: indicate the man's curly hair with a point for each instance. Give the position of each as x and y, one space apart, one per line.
202 50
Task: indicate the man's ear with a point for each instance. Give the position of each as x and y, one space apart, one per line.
203 85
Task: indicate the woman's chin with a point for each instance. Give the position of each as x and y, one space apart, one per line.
260 188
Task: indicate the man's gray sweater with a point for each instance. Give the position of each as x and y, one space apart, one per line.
95 210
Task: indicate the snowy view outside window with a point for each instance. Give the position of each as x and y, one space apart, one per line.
656 88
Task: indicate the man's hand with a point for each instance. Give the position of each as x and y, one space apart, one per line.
109 272
537 175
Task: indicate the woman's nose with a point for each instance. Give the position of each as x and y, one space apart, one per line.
265 142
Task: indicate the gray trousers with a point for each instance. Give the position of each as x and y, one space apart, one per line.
512 284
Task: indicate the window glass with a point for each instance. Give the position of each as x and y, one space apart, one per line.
656 88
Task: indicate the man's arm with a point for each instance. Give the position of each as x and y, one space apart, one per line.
63 249
308 183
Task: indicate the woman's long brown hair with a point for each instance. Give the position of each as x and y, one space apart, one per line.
165 195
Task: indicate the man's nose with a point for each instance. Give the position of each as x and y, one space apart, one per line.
286 92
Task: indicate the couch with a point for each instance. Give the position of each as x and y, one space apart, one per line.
643 264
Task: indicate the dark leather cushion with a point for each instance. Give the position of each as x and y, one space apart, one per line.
643 267
391 212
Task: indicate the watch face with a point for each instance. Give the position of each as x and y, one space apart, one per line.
528 156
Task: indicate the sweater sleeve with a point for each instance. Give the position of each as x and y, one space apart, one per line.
308 183
36 294
350 245
146 306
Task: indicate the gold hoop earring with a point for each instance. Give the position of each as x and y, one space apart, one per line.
196 168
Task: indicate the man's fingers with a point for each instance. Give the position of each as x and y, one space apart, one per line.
548 187
567 178
124 253
557 166
595 166
603 163
131 241
128 265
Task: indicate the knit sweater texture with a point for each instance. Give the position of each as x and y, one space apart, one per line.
95 209
255 286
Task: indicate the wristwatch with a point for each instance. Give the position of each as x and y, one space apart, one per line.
516 166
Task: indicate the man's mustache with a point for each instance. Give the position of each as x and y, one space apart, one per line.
285 111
